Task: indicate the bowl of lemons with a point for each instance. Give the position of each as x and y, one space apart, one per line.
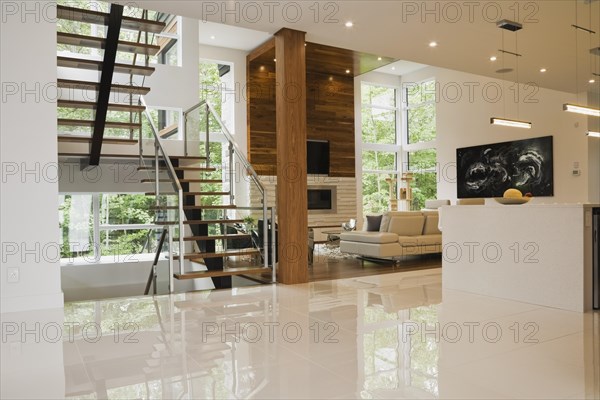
514 196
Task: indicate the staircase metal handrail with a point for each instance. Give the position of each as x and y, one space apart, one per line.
230 139
233 149
173 175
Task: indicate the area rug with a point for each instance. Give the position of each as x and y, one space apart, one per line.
329 252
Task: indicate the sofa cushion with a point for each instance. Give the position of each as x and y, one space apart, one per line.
387 216
373 223
431 224
369 237
411 225
421 240
371 250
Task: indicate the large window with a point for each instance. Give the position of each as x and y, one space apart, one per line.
419 144
380 146
106 225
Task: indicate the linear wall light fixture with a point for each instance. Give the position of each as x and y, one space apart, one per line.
510 122
574 108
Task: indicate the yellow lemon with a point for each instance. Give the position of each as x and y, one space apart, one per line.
513 194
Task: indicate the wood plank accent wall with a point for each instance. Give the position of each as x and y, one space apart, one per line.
330 115
262 141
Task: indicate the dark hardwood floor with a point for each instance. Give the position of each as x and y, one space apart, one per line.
330 264
325 269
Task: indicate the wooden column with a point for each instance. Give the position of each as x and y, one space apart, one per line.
292 204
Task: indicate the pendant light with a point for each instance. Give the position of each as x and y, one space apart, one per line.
578 108
512 123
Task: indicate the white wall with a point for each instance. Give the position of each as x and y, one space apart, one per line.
594 151
28 211
173 86
464 120
122 278
28 140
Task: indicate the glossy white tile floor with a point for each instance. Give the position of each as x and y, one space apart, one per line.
384 337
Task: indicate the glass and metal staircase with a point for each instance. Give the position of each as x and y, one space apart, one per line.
108 51
200 199
201 221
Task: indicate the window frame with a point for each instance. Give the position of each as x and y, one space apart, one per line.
395 148
98 226
408 148
406 107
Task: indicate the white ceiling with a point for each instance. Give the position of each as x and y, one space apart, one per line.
403 30
231 37
401 68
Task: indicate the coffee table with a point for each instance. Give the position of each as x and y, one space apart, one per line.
333 237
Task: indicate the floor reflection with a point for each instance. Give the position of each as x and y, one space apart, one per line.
393 336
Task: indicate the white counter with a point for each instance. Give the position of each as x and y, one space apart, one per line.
538 254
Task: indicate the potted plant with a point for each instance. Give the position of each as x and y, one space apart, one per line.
249 222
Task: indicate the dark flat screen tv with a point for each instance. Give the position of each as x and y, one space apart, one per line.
317 157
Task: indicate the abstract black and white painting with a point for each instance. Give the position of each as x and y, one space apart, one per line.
489 170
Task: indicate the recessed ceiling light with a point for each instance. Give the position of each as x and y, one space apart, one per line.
347 71
592 81
349 24
493 58
275 59
213 37
433 44
379 58
330 78
543 70
393 68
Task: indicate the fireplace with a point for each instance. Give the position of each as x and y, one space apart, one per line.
322 199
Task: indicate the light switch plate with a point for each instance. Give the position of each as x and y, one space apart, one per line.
12 275
588 219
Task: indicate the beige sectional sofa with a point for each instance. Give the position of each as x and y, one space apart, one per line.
402 233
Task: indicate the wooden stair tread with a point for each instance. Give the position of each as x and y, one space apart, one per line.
96 65
225 272
132 156
90 123
188 157
190 194
202 169
101 18
87 85
193 180
225 253
199 207
213 207
202 222
151 168
92 105
162 168
168 131
153 180
215 237
85 139
73 39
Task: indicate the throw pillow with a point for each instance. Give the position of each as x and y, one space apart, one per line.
373 223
